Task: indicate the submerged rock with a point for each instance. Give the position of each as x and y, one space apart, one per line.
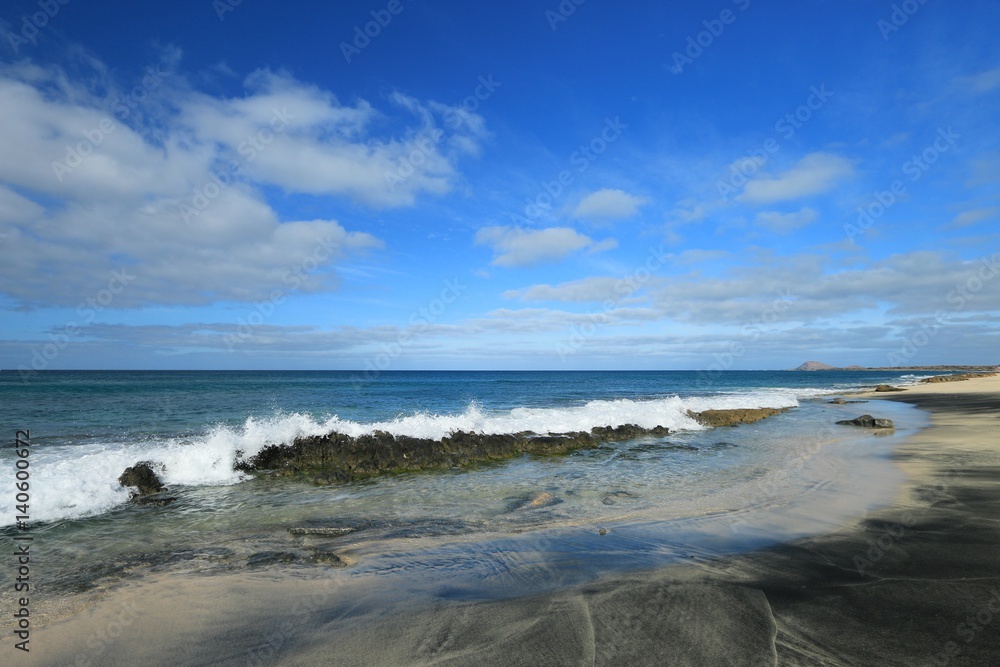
733 417
543 499
327 558
841 401
611 497
324 532
867 421
141 478
153 499
263 558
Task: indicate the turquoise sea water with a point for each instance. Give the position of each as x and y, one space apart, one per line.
87 427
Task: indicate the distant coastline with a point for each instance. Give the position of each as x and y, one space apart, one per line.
819 366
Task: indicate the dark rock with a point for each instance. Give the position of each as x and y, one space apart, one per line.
336 457
722 444
841 401
867 421
142 478
262 558
733 417
327 558
886 387
153 499
325 532
956 378
627 432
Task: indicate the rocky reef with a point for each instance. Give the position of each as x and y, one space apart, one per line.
337 457
956 378
734 417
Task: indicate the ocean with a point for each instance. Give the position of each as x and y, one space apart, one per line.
696 490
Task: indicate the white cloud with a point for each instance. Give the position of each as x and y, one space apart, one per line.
966 218
172 186
603 246
983 82
804 288
783 223
518 247
236 250
608 204
15 208
814 174
593 289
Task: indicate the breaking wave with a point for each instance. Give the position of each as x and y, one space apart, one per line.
71 481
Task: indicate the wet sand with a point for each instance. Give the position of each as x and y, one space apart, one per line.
917 583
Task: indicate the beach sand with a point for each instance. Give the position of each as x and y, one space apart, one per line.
917 583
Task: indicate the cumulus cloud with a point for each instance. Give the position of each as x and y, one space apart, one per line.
805 288
170 184
608 204
783 223
814 174
519 247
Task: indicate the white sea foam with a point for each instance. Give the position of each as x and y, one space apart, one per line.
81 480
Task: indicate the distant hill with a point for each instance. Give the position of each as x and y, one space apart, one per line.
815 366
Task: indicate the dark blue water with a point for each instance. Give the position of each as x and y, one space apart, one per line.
80 404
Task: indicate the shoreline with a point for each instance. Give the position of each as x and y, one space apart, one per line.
894 587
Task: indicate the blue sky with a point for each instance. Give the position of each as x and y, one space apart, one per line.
447 185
